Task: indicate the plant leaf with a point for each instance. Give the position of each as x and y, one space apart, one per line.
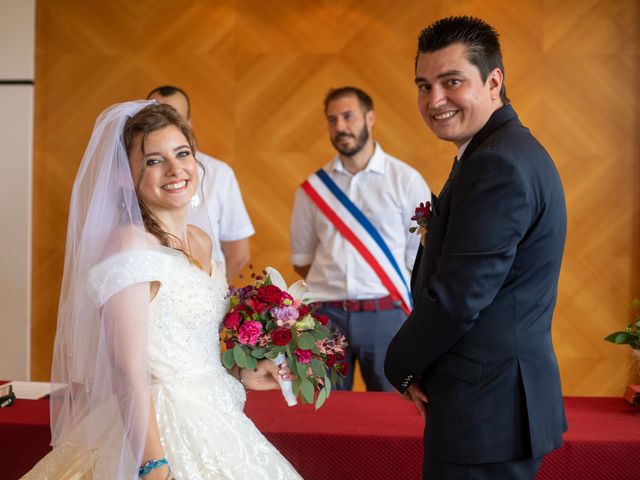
296 386
258 353
228 360
252 363
619 338
240 356
306 387
306 341
302 370
322 397
317 368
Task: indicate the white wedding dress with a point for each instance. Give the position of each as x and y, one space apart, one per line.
198 404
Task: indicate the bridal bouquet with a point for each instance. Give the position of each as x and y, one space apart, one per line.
269 320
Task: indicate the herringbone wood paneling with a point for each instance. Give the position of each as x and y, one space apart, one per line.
257 73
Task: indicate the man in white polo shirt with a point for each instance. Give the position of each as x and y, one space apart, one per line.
228 222
350 235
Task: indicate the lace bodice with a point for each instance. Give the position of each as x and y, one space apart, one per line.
184 321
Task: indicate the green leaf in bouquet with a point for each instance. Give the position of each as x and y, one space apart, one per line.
228 360
321 332
267 281
270 326
296 386
240 356
273 353
259 353
306 341
317 367
301 369
327 385
306 387
334 376
252 363
322 397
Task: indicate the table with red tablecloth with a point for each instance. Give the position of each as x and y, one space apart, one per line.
366 435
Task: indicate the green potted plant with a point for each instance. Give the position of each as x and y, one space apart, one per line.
631 336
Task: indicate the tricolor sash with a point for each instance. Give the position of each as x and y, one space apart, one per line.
360 232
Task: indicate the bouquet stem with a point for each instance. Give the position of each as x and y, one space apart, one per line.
285 385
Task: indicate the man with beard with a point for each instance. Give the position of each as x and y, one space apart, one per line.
350 235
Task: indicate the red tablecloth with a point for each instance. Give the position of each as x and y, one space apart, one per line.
372 436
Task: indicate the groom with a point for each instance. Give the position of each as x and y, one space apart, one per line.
476 353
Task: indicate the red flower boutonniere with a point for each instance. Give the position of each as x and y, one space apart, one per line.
421 217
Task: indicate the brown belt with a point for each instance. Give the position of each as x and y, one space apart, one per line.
369 305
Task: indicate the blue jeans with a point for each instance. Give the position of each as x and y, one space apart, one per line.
368 334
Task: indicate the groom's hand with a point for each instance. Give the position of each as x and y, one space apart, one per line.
417 395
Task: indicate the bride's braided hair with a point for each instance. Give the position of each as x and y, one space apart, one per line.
150 119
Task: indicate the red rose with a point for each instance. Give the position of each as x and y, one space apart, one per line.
323 319
241 307
285 296
304 356
422 212
281 336
343 369
331 360
232 320
303 310
258 307
269 294
229 344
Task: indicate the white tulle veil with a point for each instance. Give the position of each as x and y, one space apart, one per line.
100 352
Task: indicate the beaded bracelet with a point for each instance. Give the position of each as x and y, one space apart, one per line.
152 465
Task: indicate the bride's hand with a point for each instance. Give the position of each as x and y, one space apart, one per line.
265 376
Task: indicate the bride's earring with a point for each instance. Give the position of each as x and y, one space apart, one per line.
195 200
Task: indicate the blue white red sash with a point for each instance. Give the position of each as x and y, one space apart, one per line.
360 232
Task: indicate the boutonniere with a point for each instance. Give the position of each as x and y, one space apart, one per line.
421 217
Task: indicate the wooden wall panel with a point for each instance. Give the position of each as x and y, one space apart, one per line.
257 73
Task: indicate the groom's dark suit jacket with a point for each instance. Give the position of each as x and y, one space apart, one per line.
484 286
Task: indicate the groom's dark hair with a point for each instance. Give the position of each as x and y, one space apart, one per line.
480 38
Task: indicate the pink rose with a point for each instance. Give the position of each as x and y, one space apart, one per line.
304 356
249 333
232 320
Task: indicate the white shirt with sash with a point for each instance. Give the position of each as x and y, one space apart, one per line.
387 192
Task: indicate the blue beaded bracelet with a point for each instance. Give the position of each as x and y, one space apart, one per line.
152 465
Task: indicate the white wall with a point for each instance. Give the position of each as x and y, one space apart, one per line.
17 59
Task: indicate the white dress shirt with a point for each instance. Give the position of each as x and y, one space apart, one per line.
387 191
227 218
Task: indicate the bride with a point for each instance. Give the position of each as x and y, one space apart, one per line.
137 344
